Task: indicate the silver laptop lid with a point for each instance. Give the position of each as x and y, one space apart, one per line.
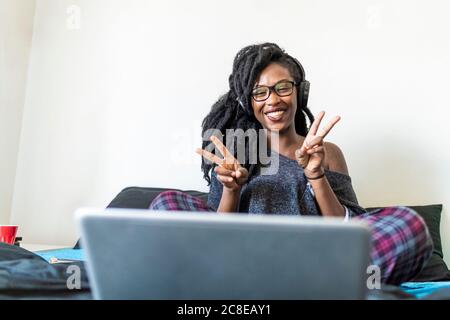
141 254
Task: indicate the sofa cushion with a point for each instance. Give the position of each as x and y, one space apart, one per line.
141 198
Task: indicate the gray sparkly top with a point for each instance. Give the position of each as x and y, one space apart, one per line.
286 191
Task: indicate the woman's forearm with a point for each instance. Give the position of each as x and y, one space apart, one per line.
328 202
229 201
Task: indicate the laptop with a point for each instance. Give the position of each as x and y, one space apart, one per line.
142 254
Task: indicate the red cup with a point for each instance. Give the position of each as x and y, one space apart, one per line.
8 234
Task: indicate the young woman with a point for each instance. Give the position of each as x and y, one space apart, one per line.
268 90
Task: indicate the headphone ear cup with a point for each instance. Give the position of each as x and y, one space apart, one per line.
304 93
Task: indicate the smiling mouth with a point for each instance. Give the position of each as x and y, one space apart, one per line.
275 115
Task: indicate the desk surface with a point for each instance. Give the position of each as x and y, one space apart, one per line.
39 247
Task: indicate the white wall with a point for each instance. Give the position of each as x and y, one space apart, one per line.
119 100
16 24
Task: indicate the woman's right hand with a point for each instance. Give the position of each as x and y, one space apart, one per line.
228 170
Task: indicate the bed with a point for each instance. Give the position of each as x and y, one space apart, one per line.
45 274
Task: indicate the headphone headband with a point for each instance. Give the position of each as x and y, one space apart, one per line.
299 65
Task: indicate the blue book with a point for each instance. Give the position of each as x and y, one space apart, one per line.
66 255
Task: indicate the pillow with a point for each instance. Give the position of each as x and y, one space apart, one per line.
435 269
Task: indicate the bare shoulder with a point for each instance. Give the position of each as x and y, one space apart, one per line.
335 160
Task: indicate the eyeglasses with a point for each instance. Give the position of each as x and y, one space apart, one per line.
283 88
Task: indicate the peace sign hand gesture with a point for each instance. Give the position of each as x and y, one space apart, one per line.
229 171
311 154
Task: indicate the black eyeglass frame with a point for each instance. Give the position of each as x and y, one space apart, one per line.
272 89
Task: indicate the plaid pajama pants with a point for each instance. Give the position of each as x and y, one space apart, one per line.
401 244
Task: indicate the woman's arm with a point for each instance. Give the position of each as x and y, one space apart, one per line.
220 198
312 157
229 201
327 201
232 182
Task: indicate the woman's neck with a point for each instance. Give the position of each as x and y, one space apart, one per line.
288 142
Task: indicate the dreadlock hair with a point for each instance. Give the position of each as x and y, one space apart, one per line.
228 113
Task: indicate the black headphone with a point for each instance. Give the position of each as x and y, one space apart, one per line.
303 89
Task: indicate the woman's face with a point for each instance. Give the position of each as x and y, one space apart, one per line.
276 113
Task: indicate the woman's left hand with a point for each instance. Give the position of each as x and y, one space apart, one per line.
311 154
